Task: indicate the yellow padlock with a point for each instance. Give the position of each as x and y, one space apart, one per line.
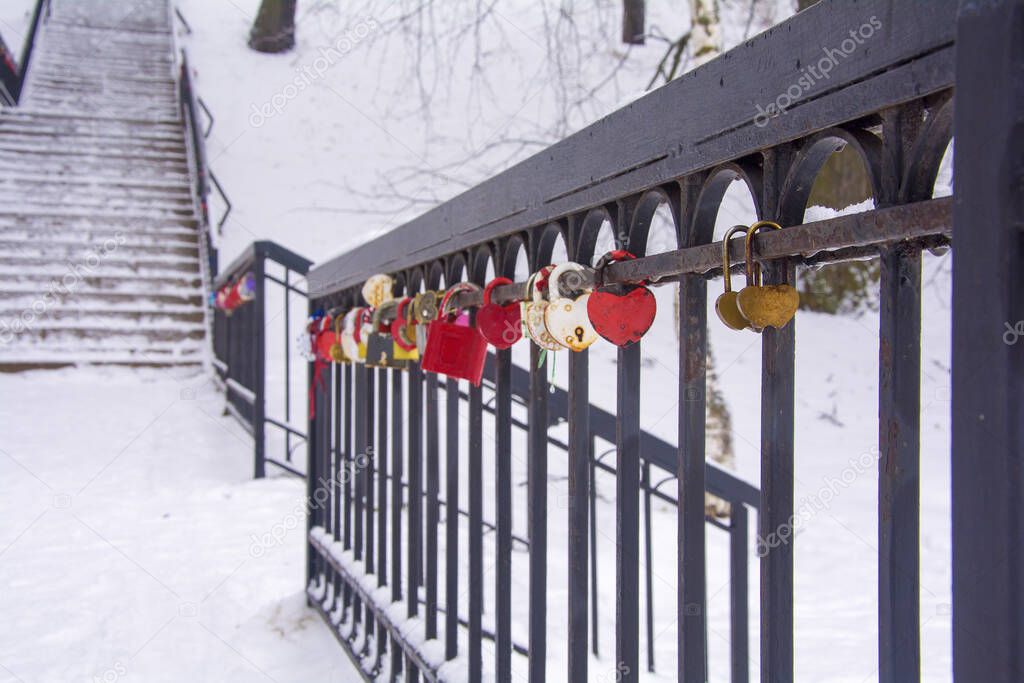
765 305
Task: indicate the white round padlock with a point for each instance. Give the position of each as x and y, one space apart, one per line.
566 318
534 318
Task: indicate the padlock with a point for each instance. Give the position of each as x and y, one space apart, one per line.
621 313
324 338
403 328
378 290
352 340
455 349
533 310
765 305
337 352
424 312
727 304
501 325
566 317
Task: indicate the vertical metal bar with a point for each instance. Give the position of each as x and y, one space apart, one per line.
259 368
899 439
397 408
739 627
382 496
451 471
359 474
648 568
348 472
579 492
414 561
476 531
693 349
287 368
627 515
503 499
537 495
595 649
381 460
988 349
312 557
433 511
368 492
776 510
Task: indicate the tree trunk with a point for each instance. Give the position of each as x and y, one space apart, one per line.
274 28
705 33
633 22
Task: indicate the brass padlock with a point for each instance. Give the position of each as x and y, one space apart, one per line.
381 346
765 305
727 305
337 352
425 306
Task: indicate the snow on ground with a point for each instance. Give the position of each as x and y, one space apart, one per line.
134 544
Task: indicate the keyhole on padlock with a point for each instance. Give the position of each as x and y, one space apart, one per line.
579 333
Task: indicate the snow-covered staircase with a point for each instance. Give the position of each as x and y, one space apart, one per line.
99 256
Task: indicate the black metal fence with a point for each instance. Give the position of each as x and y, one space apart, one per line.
240 339
374 528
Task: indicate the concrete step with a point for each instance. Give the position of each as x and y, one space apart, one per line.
97 183
155 209
15 216
189 317
100 236
130 247
31 151
116 262
13 295
89 279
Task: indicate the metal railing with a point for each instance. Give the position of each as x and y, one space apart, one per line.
240 350
12 75
680 147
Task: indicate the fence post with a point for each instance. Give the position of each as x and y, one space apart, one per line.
988 349
259 365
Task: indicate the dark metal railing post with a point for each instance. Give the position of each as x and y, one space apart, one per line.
433 511
503 503
312 516
537 515
578 512
739 623
690 480
476 531
451 550
258 306
988 350
397 472
777 396
627 513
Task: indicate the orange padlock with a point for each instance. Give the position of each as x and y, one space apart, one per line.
453 349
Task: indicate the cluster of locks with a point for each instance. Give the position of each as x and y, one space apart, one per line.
757 305
234 294
563 307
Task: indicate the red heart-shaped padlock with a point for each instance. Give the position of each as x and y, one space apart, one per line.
622 314
622 319
499 325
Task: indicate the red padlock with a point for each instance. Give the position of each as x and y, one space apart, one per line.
324 338
502 326
622 314
402 327
455 350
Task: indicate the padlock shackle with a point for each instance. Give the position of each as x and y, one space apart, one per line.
726 266
496 282
753 269
555 278
614 256
457 288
